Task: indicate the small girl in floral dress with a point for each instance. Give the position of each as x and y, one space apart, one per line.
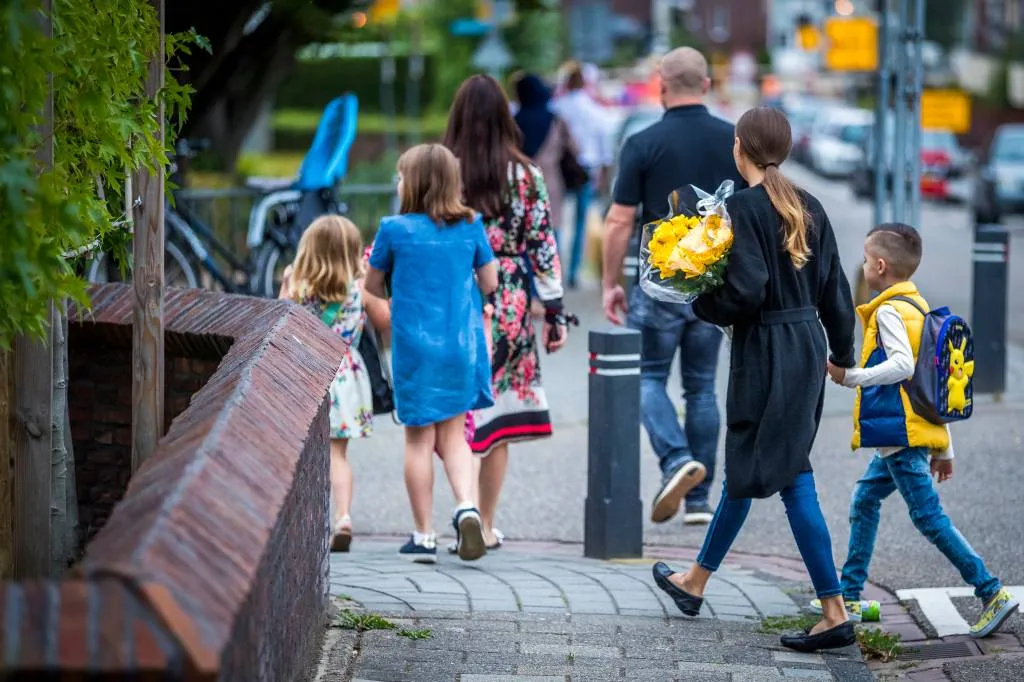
326 279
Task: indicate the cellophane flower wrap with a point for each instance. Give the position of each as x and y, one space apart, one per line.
684 255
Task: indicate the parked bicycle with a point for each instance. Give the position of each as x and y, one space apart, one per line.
276 222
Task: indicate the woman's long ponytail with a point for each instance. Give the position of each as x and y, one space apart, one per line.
787 202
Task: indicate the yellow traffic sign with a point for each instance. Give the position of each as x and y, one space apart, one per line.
384 10
852 44
946 110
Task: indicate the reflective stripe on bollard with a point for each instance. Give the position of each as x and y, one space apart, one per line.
613 524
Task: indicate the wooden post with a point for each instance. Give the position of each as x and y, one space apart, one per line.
148 284
33 393
6 465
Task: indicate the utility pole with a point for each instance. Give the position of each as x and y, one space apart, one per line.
661 23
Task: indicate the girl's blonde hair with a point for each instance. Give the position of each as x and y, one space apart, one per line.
432 184
765 138
329 259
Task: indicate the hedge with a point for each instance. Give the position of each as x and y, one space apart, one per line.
314 83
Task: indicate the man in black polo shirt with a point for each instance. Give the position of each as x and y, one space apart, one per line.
688 146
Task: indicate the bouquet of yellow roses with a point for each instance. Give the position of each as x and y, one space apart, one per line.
684 255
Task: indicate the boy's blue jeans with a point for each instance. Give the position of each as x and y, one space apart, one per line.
909 472
805 520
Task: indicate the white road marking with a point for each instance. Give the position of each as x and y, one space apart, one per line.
938 608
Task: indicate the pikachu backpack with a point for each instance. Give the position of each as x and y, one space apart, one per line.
941 389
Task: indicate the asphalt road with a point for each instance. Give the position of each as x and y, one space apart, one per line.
546 488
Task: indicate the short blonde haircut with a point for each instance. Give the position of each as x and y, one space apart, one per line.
432 184
329 259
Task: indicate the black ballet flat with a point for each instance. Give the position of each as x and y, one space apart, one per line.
836 638
687 603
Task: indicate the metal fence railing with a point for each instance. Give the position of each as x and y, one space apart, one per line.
226 211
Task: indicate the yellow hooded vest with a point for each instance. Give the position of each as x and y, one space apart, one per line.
882 415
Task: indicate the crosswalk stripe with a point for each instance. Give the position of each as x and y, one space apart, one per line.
937 606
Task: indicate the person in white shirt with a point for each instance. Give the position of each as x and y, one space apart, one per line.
589 125
910 449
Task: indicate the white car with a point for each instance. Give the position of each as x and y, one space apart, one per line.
836 145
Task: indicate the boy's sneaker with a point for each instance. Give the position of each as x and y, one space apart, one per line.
998 609
469 534
866 611
420 549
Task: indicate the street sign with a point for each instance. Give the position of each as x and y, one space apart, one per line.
851 44
469 27
492 56
946 110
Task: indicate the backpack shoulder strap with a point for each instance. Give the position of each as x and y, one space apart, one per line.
330 313
907 299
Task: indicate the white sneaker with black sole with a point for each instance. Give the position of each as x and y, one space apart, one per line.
683 480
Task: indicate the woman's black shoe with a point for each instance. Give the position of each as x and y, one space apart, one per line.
836 638
687 603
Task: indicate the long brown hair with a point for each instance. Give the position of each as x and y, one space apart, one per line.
431 184
484 137
329 259
765 139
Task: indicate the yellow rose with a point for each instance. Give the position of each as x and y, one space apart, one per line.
702 247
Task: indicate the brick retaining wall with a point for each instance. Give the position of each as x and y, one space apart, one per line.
214 564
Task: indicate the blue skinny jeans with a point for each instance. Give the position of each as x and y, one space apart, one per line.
805 519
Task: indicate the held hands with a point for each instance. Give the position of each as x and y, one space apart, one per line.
942 469
838 374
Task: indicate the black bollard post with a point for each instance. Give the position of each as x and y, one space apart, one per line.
990 296
613 525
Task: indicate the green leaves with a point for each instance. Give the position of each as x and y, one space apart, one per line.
104 127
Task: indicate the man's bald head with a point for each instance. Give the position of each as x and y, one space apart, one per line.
684 73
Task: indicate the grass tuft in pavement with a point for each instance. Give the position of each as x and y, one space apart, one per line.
361 622
424 633
877 644
779 624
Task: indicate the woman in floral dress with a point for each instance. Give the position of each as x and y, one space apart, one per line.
509 191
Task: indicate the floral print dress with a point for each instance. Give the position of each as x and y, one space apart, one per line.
524 232
351 410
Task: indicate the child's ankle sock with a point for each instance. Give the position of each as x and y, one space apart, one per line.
465 504
425 539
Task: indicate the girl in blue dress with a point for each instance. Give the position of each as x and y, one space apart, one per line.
439 262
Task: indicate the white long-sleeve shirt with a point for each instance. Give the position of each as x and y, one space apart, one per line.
897 367
589 125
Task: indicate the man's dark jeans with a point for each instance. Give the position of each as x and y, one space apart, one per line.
664 329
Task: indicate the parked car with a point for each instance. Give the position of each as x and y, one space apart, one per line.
944 166
999 188
801 112
836 145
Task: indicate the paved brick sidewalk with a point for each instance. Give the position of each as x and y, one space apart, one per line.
535 612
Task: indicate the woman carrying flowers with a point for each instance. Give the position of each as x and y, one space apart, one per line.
784 293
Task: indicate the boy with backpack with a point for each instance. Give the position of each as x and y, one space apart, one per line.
914 380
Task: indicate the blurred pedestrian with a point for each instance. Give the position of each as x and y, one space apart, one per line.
590 127
327 279
509 191
788 301
688 146
437 256
545 139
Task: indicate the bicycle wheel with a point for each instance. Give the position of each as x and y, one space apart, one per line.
178 269
271 260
